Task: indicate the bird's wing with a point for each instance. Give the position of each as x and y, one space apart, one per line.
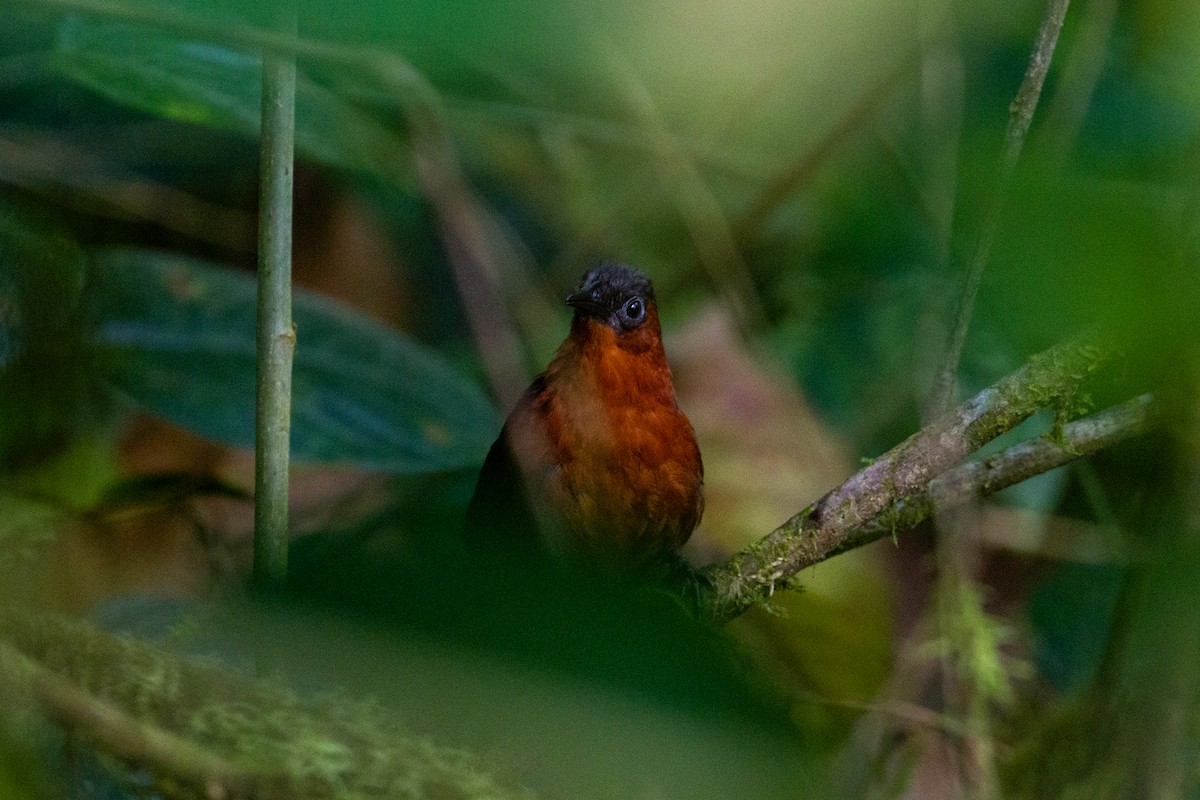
501 512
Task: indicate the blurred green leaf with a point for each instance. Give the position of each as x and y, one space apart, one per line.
82 469
210 84
21 777
177 336
41 278
1071 614
43 380
1093 252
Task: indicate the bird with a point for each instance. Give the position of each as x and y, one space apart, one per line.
596 465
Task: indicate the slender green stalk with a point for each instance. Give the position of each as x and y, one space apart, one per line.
276 333
1020 116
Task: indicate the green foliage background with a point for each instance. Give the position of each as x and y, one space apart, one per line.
795 161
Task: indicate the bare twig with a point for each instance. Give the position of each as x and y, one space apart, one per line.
753 574
1008 468
1019 118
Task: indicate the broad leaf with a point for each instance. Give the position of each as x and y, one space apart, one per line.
207 83
177 337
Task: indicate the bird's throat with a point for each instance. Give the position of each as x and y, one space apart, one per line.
616 370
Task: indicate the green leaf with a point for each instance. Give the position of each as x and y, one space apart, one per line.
210 84
41 278
44 394
1071 615
177 337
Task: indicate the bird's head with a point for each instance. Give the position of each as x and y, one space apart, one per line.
615 295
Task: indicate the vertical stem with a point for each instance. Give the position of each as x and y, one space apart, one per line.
969 683
276 334
1020 116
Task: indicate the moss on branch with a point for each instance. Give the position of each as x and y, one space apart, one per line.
879 490
202 732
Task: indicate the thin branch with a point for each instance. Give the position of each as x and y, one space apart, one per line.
276 333
753 574
1020 462
1020 116
474 248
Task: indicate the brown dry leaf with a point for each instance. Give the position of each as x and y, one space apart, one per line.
766 456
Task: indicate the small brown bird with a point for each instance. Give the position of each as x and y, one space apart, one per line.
597 463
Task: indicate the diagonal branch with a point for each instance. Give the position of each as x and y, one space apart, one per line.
1018 463
753 574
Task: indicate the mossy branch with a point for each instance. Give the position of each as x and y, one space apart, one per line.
902 476
987 476
202 732
86 718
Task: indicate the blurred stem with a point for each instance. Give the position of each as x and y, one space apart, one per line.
942 86
1077 82
1132 732
43 164
276 333
475 248
972 680
707 223
222 30
1160 659
1019 118
800 173
972 675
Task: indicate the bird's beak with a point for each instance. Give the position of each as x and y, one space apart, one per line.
582 301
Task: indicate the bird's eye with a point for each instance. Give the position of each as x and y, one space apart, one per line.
635 310
596 296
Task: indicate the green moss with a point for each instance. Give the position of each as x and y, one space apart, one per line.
327 747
